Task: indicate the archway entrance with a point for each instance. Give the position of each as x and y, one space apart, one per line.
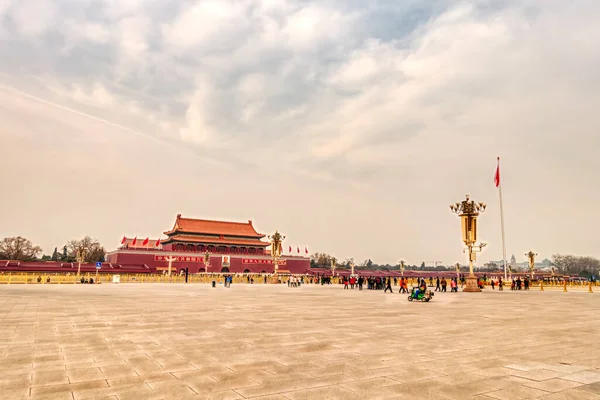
224 270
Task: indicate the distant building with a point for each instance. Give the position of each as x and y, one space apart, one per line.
520 266
234 247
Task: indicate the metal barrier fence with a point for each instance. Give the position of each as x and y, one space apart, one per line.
57 278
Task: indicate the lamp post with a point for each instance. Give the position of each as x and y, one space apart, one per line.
468 211
352 268
80 257
457 266
170 260
276 249
333 265
402 268
531 258
206 261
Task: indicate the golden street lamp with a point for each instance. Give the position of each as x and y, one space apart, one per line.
80 257
170 260
531 258
206 261
352 268
457 267
276 249
333 265
468 211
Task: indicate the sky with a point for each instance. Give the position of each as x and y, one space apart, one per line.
349 126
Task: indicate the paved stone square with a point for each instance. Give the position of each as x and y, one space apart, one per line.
161 341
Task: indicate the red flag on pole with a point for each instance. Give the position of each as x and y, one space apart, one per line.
290 249
157 243
134 241
123 240
306 249
497 176
298 248
145 242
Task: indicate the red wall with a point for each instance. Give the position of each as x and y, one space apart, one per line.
296 265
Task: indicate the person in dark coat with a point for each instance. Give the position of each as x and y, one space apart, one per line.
388 286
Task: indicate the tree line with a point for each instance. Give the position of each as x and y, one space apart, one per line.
22 249
564 264
574 265
323 260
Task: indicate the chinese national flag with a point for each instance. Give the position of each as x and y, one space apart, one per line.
134 241
123 240
497 176
157 243
145 242
306 249
290 249
298 248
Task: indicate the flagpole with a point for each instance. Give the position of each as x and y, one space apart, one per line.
502 222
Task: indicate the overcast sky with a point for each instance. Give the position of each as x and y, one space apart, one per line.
350 126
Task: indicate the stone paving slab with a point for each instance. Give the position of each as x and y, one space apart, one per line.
164 341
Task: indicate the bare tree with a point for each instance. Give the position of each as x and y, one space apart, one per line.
346 263
565 263
322 260
573 265
92 249
18 248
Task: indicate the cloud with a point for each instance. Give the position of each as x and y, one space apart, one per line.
206 24
32 17
98 97
381 99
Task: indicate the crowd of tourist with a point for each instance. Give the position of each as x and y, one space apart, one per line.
388 283
440 283
295 281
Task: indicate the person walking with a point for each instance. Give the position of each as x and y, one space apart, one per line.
388 286
437 284
444 284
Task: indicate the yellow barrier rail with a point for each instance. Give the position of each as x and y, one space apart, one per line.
258 279
56 278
